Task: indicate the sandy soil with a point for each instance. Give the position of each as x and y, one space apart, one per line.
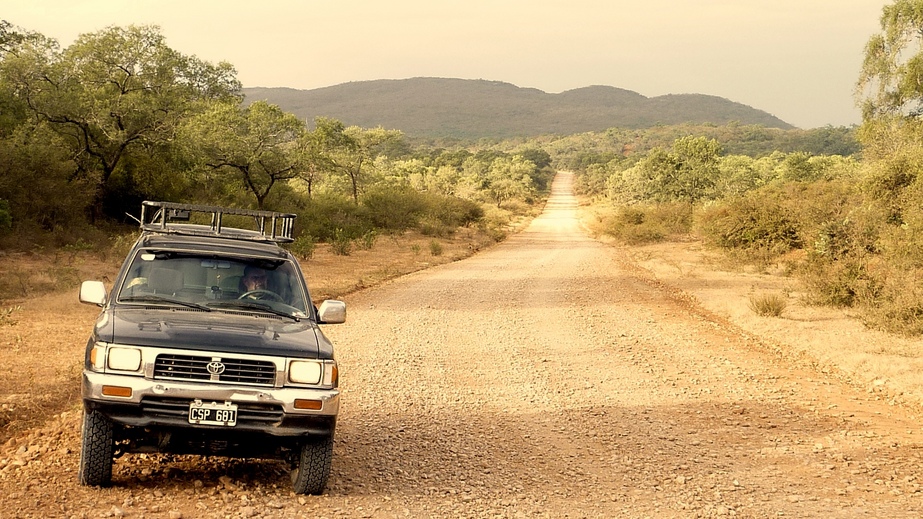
832 340
551 376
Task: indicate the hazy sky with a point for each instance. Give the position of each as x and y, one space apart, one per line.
796 59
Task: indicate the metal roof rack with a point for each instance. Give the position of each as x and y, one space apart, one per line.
270 226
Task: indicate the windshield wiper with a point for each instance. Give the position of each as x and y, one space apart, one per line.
162 299
253 305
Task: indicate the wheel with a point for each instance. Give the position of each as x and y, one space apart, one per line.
312 467
96 449
261 293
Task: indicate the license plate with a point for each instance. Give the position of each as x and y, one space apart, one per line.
213 413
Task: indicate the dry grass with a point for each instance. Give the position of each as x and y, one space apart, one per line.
768 305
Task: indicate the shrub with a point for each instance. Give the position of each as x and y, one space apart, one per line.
6 218
431 227
6 315
303 246
640 224
896 304
435 248
399 209
393 209
638 234
768 305
675 218
452 211
367 240
325 215
758 228
841 249
121 244
631 215
835 283
495 223
342 243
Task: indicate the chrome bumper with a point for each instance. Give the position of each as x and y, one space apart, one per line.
142 387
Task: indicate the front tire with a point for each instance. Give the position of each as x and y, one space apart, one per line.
96 450
312 467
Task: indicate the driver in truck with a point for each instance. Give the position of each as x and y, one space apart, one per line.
254 278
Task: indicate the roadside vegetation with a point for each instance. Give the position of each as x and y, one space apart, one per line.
847 221
89 131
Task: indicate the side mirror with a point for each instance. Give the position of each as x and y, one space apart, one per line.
93 293
332 311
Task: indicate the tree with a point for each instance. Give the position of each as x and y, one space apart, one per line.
891 81
37 181
688 172
13 109
697 161
114 94
318 148
509 178
644 181
350 149
258 144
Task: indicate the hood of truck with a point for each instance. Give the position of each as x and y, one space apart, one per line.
217 331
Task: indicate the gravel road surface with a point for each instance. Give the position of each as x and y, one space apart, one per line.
541 378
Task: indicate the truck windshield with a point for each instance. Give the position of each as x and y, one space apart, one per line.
188 278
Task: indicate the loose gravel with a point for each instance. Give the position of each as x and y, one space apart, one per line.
541 378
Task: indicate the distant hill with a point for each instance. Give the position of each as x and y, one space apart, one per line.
462 108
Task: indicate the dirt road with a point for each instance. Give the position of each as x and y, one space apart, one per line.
541 378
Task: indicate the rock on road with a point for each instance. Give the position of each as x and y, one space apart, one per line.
541 378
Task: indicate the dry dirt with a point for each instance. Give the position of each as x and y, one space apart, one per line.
552 375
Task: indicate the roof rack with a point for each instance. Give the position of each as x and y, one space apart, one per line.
157 217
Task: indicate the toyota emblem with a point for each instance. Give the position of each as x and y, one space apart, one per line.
215 367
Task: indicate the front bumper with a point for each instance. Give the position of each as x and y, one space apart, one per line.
165 404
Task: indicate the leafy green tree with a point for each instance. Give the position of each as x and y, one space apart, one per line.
319 147
696 171
10 37
445 181
37 181
352 150
539 157
258 145
645 180
890 91
411 172
688 172
369 145
451 158
592 182
13 109
737 174
891 80
114 94
509 178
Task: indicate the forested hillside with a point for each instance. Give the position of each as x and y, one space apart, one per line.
472 109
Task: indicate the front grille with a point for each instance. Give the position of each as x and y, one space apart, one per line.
247 413
193 367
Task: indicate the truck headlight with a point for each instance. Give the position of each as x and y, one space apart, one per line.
124 359
305 372
313 372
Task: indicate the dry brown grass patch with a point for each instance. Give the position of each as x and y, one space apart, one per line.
768 305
